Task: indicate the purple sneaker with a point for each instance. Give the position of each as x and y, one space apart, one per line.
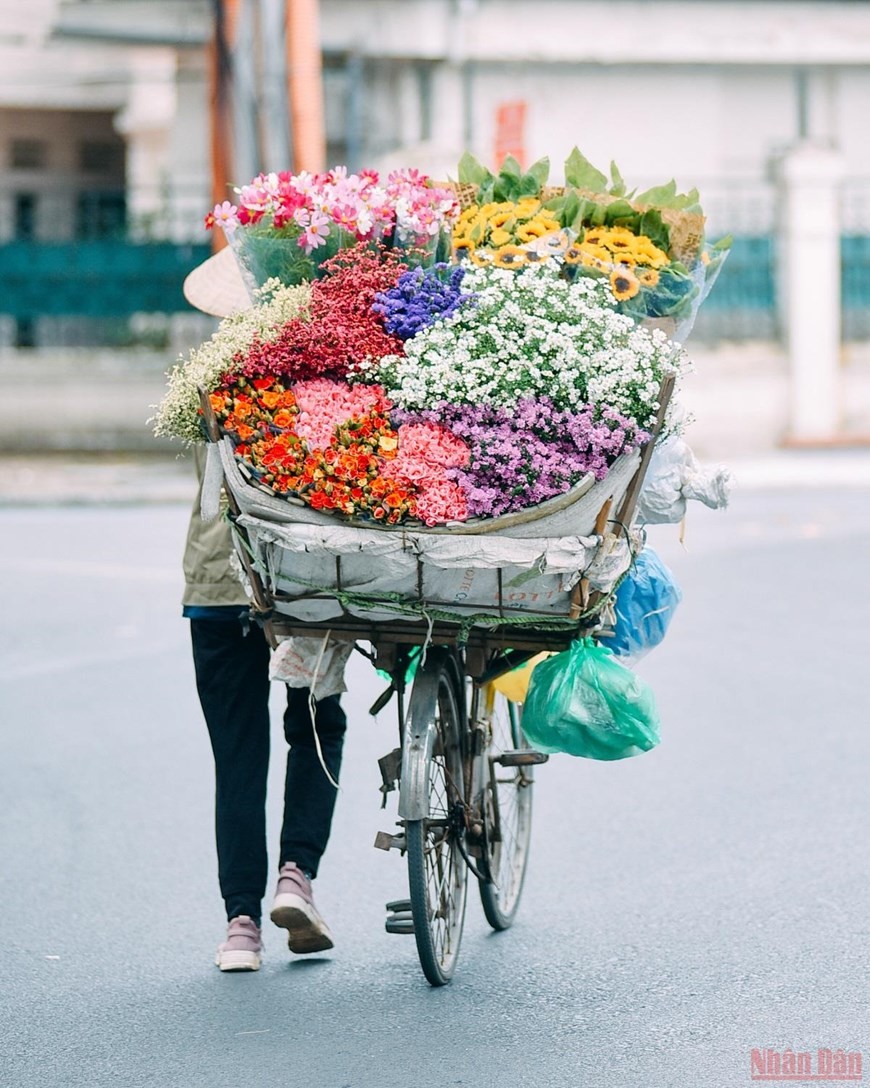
243 947
294 910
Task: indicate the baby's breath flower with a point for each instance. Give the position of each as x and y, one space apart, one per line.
532 334
178 414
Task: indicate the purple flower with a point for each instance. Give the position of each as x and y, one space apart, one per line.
421 297
532 452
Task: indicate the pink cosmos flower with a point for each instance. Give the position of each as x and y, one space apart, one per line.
315 228
226 216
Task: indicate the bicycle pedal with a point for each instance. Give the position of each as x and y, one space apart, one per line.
400 923
521 757
399 918
384 840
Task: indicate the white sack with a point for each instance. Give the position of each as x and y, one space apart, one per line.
463 576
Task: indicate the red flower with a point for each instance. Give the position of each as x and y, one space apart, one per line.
340 328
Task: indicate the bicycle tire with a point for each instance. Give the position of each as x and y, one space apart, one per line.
510 789
437 873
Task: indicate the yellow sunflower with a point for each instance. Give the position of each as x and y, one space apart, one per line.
525 212
510 257
648 253
481 257
533 229
575 255
501 216
648 277
462 248
589 261
500 237
624 284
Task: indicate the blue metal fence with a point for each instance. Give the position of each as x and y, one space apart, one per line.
95 284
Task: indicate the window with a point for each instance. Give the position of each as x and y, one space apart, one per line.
100 157
101 215
25 216
28 154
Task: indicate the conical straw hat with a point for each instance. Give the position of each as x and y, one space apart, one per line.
216 286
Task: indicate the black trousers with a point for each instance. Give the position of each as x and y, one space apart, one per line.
231 664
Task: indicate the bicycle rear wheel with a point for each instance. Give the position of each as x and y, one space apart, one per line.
507 804
437 873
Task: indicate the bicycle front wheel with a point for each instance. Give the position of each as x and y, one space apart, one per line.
507 803
437 873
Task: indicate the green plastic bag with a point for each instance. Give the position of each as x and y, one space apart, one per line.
585 703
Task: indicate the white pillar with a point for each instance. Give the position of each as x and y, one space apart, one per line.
145 124
810 281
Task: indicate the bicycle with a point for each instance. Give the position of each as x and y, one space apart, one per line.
463 769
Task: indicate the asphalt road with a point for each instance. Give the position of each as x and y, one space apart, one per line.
681 908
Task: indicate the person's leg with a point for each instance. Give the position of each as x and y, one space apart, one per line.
309 796
309 801
233 684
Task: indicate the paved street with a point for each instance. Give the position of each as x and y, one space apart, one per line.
682 908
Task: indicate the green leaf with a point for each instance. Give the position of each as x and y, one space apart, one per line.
581 174
597 215
529 186
619 210
652 226
587 211
540 171
510 167
472 172
486 191
660 196
724 243
685 202
506 187
570 207
617 183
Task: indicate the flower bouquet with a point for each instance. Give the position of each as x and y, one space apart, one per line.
649 246
426 396
446 437
287 226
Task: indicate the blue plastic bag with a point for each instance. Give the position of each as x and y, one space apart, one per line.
585 703
645 604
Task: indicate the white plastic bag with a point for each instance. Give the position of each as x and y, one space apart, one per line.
315 663
675 475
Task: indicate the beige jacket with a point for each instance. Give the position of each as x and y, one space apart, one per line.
209 578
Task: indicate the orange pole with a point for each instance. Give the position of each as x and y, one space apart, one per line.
305 85
220 90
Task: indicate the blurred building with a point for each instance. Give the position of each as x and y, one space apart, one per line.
104 136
